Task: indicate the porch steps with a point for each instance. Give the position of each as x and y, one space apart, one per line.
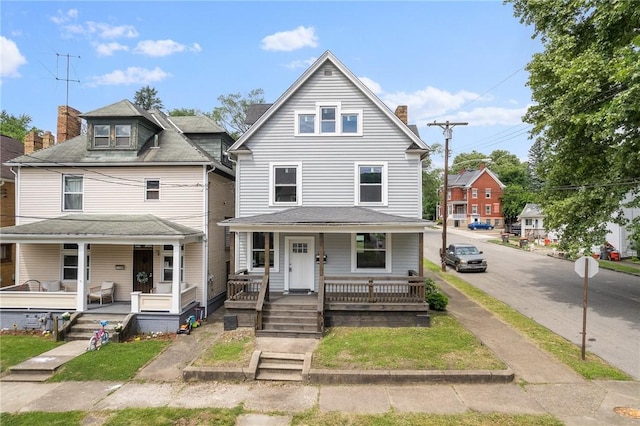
289 320
88 323
276 366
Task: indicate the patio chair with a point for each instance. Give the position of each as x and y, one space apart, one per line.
101 292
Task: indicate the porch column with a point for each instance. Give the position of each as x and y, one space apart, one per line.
321 256
175 285
232 253
267 257
421 254
81 291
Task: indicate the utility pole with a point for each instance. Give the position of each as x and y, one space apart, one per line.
446 126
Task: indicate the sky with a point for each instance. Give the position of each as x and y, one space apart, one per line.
461 61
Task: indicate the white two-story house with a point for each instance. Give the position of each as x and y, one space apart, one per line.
328 203
133 202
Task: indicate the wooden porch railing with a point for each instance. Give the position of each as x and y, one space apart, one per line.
262 296
385 289
244 287
321 305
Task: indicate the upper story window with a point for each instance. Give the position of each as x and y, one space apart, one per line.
328 118
487 193
72 188
487 209
474 193
152 190
112 136
371 183
448 194
285 184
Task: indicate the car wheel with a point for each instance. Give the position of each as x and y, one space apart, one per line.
457 267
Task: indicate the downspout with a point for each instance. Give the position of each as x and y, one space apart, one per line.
205 245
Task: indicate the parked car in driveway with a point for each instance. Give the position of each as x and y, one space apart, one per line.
479 225
465 257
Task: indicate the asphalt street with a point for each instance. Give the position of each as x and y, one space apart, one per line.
549 291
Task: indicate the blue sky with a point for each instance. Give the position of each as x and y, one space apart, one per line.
448 60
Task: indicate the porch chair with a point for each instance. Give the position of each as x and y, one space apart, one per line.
101 292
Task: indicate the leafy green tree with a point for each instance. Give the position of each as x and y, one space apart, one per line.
586 117
147 98
431 182
231 113
182 112
15 126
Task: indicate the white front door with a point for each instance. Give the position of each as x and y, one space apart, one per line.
300 259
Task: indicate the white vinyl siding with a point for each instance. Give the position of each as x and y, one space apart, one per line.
328 162
115 190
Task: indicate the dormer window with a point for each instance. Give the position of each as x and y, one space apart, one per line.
112 136
328 118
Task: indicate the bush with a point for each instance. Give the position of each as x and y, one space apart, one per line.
434 296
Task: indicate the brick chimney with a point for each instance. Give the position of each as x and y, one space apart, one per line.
48 140
402 114
69 123
32 142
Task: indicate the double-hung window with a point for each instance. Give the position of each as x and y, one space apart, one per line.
285 184
474 193
70 262
487 208
167 265
101 135
371 251
152 189
72 192
371 184
328 118
257 250
112 136
487 193
123 135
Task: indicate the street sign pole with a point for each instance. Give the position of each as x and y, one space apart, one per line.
584 307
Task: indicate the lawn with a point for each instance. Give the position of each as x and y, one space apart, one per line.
16 348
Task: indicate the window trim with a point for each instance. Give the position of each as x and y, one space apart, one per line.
385 183
65 193
339 115
474 193
487 193
147 190
388 254
487 209
276 253
106 137
474 209
167 252
116 137
272 183
68 251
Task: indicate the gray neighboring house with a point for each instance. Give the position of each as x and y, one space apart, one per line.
532 221
133 202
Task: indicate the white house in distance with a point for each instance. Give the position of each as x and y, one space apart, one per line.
328 203
134 201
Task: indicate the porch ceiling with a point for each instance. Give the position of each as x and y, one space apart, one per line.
327 219
105 228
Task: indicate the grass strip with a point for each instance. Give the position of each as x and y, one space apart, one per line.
17 348
592 368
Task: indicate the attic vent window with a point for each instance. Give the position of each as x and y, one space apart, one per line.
328 72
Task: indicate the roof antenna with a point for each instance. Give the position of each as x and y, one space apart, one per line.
67 80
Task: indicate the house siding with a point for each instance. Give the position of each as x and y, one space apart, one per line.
328 173
105 188
221 206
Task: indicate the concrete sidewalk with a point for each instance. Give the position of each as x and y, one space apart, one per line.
542 385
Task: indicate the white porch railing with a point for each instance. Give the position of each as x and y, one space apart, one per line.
38 300
146 302
458 216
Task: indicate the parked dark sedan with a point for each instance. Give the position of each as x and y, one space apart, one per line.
479 225
465 257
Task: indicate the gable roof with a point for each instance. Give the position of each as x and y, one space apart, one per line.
531 210
123 108
468 177
10 148
327 56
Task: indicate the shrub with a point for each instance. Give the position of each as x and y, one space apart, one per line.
434 296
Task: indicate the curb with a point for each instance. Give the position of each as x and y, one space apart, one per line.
360 377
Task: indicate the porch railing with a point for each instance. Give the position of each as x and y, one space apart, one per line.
387 289
244 287
262 296
321 305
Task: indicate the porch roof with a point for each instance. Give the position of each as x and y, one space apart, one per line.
104 228
327 219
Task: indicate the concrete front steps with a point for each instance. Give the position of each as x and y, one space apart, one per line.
89 323
289 320
277 366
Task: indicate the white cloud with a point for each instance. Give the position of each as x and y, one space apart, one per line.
63 17
107 49
287 41
429 102
158 48
100 30
10 58
372 85
301 63
492 116
132 75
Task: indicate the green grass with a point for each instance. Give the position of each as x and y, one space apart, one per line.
16 348
113 362
619 266
232 349
228 417
593 367
446 345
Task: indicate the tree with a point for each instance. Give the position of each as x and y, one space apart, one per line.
231 113
15 127
147 98
181 112
586 117
431 182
